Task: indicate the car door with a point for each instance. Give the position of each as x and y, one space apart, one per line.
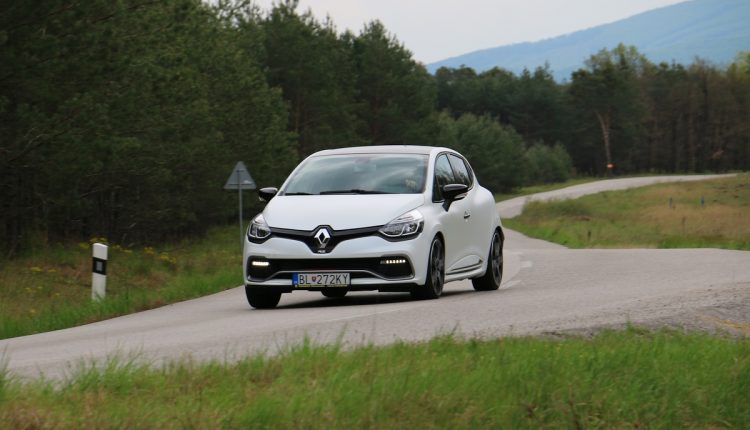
455 228
470 256
477 217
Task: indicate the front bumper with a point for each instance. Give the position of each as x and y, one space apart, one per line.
374 262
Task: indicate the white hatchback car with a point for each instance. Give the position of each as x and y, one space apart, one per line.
386 218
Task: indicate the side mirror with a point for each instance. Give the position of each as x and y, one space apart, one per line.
453 192
266 194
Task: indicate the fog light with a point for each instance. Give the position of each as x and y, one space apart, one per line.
257 263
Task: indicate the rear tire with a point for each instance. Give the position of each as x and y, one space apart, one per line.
433 287
494 274
260 299
334 293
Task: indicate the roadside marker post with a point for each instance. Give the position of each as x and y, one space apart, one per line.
239 180
99 272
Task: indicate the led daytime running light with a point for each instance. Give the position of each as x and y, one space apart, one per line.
393 261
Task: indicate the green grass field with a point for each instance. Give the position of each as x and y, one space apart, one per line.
51 289
626 379
643 217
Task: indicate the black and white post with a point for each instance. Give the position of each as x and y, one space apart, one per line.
99 272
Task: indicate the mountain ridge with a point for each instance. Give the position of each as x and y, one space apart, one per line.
714 30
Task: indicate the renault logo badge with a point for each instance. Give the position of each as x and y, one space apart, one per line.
323 237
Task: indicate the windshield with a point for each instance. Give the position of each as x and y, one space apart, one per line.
360 174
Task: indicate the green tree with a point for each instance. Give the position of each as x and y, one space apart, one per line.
738 81
495 152
314 69
396 95
607 89
547 164
539 108
458 90
497 92
741 64
123 119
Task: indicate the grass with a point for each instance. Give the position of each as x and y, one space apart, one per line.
533 189
51 289
626 379
644 217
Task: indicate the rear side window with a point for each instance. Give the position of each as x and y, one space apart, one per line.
443 176
460 170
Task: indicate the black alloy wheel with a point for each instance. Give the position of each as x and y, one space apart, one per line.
494 275
433 287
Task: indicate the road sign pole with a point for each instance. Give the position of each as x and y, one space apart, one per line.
240 179
242 239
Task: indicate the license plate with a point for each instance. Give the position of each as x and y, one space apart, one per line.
306 280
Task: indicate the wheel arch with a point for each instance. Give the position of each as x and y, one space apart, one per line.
439 235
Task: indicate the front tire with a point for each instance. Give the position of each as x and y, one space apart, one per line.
433 287
260 299
494 274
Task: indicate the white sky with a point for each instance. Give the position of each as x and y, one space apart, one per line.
437 29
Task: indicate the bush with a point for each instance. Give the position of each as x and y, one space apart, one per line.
496 152
547 164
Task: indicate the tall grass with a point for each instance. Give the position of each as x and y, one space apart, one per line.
630 379
712 213
51 289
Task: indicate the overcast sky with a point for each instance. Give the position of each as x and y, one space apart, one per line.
437 29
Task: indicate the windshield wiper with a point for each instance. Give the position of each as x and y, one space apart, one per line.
353 191
298 194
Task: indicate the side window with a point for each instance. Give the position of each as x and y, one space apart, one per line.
443 176
461 170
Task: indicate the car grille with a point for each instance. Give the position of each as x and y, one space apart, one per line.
335 236
388 267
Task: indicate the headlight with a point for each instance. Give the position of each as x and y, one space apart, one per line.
406 225
258 229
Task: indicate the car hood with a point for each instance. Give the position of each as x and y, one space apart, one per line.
341 212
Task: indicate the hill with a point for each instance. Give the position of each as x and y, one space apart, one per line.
714 30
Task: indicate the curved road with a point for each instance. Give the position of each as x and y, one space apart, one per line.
547 288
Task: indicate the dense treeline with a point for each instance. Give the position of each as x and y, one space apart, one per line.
119 119
123 119
619 110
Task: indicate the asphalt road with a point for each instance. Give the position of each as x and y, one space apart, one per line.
547 288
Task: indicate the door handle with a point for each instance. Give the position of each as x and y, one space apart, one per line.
467 215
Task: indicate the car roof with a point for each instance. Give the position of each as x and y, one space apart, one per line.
383 149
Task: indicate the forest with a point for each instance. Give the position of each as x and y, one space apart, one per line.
123 119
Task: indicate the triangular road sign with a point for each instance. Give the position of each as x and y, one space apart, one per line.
240 177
